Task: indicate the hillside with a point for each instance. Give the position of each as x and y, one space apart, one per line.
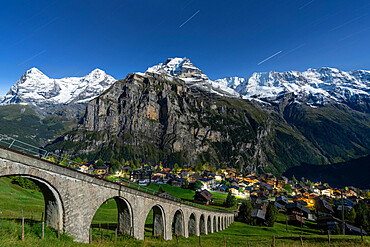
22 122
351 173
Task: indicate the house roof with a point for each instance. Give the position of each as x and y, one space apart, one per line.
323 205
295 217
354 229
224 187
234 187
102 168
258 213
204 193
196 176
278 205
299 206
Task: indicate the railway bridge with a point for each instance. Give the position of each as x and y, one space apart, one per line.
72 199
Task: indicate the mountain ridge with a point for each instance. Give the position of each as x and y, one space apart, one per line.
50 96
174 113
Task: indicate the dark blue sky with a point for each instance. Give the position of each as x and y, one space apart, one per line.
224 38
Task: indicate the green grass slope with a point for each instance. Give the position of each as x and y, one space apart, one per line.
13 199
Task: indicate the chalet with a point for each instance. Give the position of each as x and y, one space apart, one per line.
323 207
269 179
184 173
281 181
259 211
123 171
295 219
346 202
163 175
178 182
207 182
155 179
264 186
352 230
251 179
141 175
282 200
84 167
194 177
324 191
298 209
263 195
223 188
329 223
243 184
350 193
102 170
234 190
203 196
324 222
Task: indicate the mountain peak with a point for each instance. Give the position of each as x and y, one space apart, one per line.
179 67
97 75
97 71
35 73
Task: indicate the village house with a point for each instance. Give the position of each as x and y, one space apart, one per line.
218 177
84 167
269 179
163 175
194 177
234 190
203 196
281 181
298 209
184 174
207 182
324 191
178 182
155 179
259 212
122 172
323 207
102 170
141 175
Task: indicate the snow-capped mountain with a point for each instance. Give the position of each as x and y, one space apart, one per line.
36 89
183 69
315 86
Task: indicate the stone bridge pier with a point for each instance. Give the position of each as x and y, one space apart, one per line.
72 199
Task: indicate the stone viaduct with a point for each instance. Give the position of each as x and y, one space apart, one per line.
72 199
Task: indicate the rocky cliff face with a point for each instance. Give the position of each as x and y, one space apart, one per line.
153 117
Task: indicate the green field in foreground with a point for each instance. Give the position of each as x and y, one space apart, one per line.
13 199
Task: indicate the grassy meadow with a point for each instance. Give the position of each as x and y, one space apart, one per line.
14 199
